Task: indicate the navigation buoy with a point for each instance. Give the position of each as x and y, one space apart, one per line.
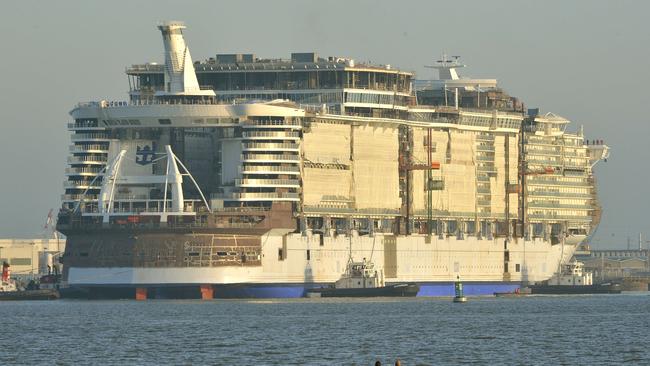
458 287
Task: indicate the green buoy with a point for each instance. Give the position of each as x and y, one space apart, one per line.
458 287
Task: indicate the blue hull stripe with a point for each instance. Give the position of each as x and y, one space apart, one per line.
298 290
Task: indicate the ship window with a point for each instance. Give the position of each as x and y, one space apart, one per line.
321 240
308 255
517 267
280 254
165 121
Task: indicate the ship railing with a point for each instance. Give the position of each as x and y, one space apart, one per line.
279 123
89 136
271 145
558 194
253 195
154 206
78 197
533 205
87 148
87 170
81 184
82 159
241 209
269 169
272 182
546 181
272 157
286 134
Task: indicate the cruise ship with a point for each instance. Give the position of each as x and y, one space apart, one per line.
241 176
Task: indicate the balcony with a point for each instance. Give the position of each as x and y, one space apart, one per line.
270 158
270 146
90 137
284 183
78 197
559 194
293 170
98 160
294 125
259 196
81 184
97 149
268 135
553 205
77 126
84 171
555 182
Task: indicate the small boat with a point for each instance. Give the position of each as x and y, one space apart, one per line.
517 293
573 280
46 294
9 290
362 280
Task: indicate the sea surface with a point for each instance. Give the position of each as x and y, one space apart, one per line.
539 330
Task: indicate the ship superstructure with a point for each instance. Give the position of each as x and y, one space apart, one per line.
242 176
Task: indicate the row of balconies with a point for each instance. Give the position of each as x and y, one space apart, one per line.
555 182
84 171
92 148
81 184
295 124
270 146
78 197
90 137
485 148
485 157
262 169
585 206
271 135
87 159
259 196
250 158
556 217
289 183
559 194
78 126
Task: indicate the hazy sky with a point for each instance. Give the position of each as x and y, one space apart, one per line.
585 60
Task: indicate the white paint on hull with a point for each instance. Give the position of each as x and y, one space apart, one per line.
409 259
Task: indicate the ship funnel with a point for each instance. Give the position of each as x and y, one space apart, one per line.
180 77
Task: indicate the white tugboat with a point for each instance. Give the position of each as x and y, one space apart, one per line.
360 279
573 279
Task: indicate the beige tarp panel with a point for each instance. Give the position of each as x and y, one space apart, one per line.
327 143
323 184
376 171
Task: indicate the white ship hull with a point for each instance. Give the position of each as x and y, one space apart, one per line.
479 262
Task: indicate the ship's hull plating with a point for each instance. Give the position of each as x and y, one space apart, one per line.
290 264
265 291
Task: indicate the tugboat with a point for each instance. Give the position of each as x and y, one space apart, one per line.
362 280
572 279
9 290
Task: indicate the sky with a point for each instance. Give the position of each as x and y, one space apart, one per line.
585 60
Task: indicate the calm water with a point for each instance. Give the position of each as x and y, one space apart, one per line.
574 330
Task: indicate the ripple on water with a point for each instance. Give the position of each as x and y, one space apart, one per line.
540 330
